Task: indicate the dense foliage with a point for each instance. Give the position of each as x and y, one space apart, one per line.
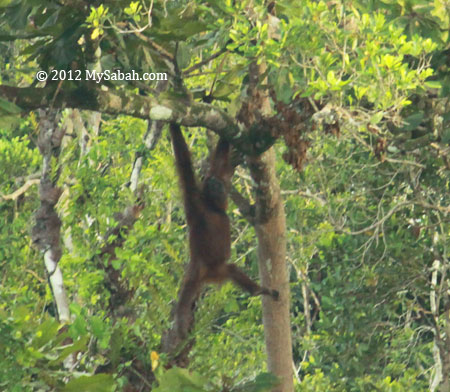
367 216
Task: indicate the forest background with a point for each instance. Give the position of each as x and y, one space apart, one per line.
339 115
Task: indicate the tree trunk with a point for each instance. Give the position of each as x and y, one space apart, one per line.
46 233
270 229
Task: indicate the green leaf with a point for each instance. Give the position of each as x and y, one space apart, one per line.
262 383
8 107
5 3
116 263
79 345
47 331
331 78
177 379
183 55
446 136
434 84
95 383
413 121
231 306
98 326
376 118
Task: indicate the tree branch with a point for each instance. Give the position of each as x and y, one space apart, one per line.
256 140
206 61
46 233
159 49
245 207
21 190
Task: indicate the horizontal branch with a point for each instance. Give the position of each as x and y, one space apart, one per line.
185 112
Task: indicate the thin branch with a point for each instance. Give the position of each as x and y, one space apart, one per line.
382 220
164 53
10 37
206 61
28 177
445 210
322 201
120 292
141 377
31 272
153 134
21 190
403 162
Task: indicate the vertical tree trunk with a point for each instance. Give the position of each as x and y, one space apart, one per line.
46 232
441 349
270 229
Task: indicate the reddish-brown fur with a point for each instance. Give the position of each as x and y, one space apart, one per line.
209 229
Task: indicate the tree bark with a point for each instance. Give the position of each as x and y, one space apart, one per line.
189 113
46 233
270 229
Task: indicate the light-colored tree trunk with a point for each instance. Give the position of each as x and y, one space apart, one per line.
47 231
270 229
